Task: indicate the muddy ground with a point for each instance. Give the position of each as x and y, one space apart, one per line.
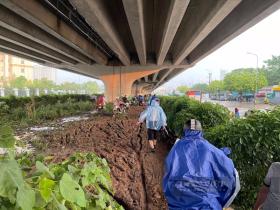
136 173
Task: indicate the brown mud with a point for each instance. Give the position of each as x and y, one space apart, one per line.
136 173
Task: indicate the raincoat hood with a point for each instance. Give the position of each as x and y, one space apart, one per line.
154 115
197 175
154 102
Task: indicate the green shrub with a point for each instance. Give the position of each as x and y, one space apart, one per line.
31 182
180 109
109 107
255 144
26 111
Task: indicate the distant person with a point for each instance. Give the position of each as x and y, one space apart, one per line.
100 103
152 97
198 175
236 113
124 99
141 100
269 195
155 120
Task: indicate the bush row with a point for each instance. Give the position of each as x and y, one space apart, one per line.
181 109
46 108
15 102
255 143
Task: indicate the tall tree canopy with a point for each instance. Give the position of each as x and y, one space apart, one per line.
216 85
243 80
200 86
272 70
19 82
182 88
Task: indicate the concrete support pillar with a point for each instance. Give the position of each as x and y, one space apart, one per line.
119 82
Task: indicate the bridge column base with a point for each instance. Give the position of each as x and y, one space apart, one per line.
119 82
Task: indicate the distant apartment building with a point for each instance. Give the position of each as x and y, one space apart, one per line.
12 67
40 72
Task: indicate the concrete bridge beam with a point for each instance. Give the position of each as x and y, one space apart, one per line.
119 82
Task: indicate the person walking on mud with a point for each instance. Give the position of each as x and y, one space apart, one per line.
197 174
155 120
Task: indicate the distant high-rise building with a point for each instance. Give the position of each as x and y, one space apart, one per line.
222 74
12 67
43 72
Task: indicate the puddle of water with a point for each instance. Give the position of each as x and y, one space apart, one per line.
42 128
72 119
19 150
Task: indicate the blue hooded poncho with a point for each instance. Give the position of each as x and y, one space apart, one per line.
154 115
198 176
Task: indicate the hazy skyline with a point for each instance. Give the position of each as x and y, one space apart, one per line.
262 39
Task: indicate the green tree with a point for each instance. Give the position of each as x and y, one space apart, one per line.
19 82
91 87
43 84
272 70
70 86
243 80
182 89
200 86
216 86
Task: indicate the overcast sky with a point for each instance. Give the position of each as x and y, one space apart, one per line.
262 39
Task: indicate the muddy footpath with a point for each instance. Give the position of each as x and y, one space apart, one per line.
136 173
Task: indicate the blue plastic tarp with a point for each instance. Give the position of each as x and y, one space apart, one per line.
198 176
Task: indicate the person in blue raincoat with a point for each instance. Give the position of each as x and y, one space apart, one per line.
155 120
198 176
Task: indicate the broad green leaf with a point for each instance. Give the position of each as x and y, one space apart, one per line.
43 169
7 139
10 179
71 190
26 198
46 186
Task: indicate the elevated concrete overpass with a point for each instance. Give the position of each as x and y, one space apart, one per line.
131 45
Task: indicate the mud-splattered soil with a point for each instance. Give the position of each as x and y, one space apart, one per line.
136 173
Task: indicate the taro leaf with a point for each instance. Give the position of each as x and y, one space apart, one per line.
46 186
7 139
26 198
92 174
10 179
71 190
43 169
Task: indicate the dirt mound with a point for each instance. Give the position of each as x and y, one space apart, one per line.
136 173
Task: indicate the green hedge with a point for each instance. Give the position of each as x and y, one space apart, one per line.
255 143
180 109
15 102
25 111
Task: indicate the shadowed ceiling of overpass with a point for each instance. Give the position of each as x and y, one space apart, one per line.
92 37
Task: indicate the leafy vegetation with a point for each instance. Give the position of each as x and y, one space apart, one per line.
32 110
255 143
27 182
21 82
182 89
244 80
200 86
216 86
272 70
181 109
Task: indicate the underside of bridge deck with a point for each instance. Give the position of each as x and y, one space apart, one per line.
129 44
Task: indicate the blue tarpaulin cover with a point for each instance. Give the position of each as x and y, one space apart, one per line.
198 176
